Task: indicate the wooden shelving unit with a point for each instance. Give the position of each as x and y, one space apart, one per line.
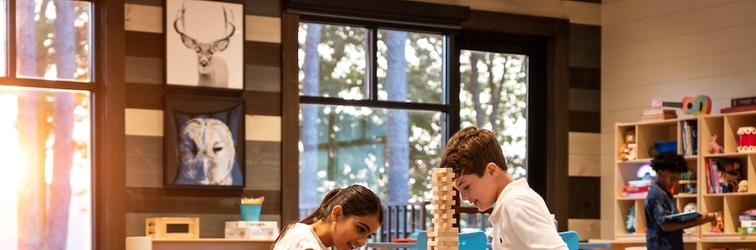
730 205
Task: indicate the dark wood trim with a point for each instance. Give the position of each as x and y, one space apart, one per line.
420 13
557 128
270 8
585 202
585 121
585 78
108 140
289 118
195 200
496 22
144 44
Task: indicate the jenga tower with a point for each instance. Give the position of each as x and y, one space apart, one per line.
443 235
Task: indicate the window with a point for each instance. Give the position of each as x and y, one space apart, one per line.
493 95
47 187
372 110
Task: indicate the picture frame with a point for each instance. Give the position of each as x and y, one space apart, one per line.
204 139
204 43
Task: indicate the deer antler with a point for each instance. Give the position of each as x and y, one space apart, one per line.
187 40
226 24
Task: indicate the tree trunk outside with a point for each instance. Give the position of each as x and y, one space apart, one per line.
31 193
474 88
495 88
397 132
308 161
56 227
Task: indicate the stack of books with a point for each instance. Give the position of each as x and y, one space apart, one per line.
658 114
740 104
747 222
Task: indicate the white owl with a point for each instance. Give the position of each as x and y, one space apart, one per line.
206 153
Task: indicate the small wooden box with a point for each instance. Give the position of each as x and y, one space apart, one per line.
172 227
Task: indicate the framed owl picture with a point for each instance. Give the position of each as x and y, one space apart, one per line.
203 141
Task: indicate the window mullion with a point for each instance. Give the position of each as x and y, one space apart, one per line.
11 36
372 63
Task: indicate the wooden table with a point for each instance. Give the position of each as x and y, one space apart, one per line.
211 244
397 245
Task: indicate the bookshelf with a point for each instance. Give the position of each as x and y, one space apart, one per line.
730 205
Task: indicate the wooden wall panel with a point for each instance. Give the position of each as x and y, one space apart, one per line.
143 70
251 7
619 11
144 161
262 78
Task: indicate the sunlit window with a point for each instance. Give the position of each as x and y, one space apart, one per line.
390 150
46 188
493 95
3 39
53 41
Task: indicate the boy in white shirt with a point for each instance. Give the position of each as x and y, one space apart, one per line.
520 218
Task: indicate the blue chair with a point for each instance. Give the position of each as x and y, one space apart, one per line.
571 238
474 240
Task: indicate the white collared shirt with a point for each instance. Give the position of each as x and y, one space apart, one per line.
521 220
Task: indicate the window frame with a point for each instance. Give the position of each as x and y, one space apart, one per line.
106 87
553 33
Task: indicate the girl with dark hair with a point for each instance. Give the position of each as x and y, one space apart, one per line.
345 219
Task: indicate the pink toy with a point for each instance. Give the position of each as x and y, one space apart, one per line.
715 147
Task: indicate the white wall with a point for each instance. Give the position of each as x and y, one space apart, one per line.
669 49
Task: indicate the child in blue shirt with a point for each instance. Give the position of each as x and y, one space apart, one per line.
665 234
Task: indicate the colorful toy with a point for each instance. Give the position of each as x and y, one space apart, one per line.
715 147
743 186
627 152
699 105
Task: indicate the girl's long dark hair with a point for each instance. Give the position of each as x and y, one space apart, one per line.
355 200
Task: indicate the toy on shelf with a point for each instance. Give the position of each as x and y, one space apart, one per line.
746 139
719 226
630 223
743 186
627 152
715 147
699 105
690 208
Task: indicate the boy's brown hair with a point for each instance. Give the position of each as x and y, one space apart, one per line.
469 151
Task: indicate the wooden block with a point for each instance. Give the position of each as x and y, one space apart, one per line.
442 179
442 170
442 220
444 193
441 202
443 234
172 227
447 230
444 215
442 188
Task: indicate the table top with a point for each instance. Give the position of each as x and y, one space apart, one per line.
395 245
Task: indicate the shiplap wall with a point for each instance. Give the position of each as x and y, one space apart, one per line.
669 49
144 76
144 122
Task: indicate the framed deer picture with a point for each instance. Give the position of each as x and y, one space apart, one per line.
204 43
203 141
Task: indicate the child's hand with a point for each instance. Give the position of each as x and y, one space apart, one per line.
710 216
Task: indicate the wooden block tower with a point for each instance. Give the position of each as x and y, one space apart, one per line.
443 235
